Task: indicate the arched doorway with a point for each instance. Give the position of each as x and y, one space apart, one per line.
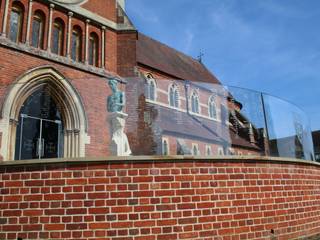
40 128
43 117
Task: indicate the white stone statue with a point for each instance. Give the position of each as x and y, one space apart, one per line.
119 145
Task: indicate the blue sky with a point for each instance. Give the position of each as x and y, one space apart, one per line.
271 46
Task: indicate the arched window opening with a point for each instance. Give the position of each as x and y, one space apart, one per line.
57 37
151 88
93 50
174 96
208 151
195 150
16 22
212 108
220 151
165 147
76 44
40 128
38 23
195 103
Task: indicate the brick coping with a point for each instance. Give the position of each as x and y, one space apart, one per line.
139 159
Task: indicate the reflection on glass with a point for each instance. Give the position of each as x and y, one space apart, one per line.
172 117
288 129
228 120
40 129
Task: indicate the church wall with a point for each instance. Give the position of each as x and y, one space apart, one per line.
104 8
18 58
14 64
126 52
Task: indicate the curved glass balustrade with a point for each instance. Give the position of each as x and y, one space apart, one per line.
159 117
174 117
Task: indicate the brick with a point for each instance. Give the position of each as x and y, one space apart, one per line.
76 211
33 213
76 226
99 225
53 197
164 178
32 227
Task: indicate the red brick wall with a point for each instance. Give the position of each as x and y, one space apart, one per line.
104 8
175 199
126 52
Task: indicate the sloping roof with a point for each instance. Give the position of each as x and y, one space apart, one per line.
159 56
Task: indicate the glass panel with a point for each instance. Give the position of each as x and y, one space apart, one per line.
15 23
152 91
176 98
75 46
51 137
210 120
27 141
171 97
57 39
36 32
233 123
40 130
246 119
288 129
91 51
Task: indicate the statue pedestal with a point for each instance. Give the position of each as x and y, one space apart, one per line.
119 145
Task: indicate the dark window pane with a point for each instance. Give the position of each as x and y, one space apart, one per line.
40 129
14 26
57 39
152 91
76 46
36 32
176 98
91 51
171 97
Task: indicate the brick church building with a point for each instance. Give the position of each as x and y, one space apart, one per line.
55 60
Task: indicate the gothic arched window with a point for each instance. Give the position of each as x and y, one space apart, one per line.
57 37
174 96
38 23
212 108
208 151
151 88
76 44
195 150
165 147
16 22
195 108
94 50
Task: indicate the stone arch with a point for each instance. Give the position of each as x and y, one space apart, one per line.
65 95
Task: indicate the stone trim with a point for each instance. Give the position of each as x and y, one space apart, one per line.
95 18
170 158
